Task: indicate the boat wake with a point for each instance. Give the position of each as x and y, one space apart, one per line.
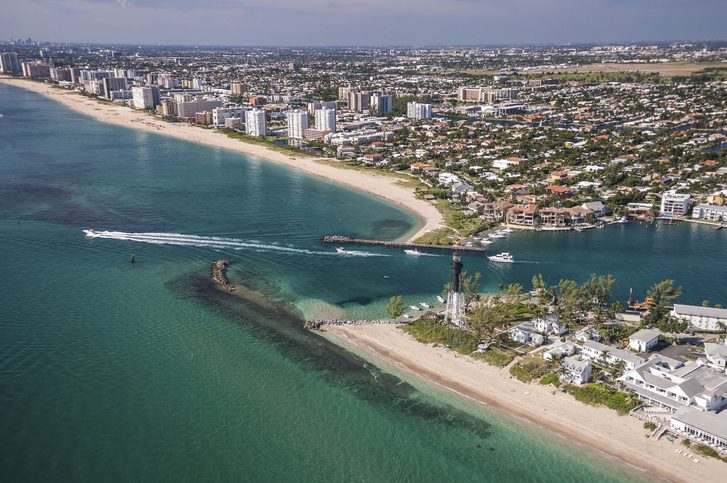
220 243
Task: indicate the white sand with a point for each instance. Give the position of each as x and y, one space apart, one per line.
387 187
620 436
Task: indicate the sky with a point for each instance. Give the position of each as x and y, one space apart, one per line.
362 22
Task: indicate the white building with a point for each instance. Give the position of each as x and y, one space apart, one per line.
221 114
326 119
190 108
255 122
549 324
674 204
611 355
577 370
525 334
701 318
297 123
673 384
382 104
710 212
316 105
9 63
643 340
559 352
143 97
716 355
703 426
415 110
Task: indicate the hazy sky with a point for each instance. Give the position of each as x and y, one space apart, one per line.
362 22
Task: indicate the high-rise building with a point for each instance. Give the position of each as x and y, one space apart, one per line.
297 123
315 105
255 122
343 93
415 110
111 84
359 101
35 70
188 109
59 74
326 119
381 104
237 88
221 114
9 63
488 95
143 97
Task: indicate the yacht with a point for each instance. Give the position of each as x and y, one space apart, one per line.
414 252
496 235
441 299
414 307
503 257
425 305
623 219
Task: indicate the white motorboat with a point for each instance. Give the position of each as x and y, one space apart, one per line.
486 242
506 230
407 316
623 219
503 257
496 235
441 299
414 307
413 252
340 250
425 305
91 233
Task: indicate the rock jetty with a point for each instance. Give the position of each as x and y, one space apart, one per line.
317 324
342 240
219 274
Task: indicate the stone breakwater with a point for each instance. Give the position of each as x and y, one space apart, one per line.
342 240
317 324
219 274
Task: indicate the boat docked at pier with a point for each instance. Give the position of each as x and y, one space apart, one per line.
503 257
425 305
441 299
414 307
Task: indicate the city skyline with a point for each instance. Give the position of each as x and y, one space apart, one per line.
377 23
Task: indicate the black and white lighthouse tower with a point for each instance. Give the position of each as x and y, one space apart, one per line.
454 312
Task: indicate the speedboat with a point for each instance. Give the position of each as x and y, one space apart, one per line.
503 257
506 230
486 242
340 250
425 305
407 316
91 233
497 235
441 299
623 219
414 307
414 252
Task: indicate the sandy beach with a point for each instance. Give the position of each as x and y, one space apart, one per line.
621 437
383 186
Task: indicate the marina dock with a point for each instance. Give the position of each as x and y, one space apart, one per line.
344 240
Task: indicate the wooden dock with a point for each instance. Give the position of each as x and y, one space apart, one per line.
345 240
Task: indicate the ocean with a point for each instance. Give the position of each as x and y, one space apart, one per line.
145 372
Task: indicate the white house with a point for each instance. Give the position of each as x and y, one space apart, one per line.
716 355
701 318
589 333
612 355
704 426
644 340
559 352
549 324
577 370
525 334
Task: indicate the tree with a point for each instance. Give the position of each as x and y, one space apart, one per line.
483 321
395 307
661 293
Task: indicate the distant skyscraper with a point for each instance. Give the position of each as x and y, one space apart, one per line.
382 104
297 123
35 70
359 101
111 84
237 88
315 105
9 63
415 110
326 119
255 122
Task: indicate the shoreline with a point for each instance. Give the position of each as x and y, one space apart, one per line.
385 187
621 438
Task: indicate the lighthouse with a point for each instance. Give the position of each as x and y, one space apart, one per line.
454 312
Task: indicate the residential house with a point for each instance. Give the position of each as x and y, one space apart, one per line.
553 217
525 334
577 370
610 355
522 215
588 333
597 208
578 215
549 324
716 355
495 212
559 352
643 340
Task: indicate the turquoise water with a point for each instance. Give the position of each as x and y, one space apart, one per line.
113 371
